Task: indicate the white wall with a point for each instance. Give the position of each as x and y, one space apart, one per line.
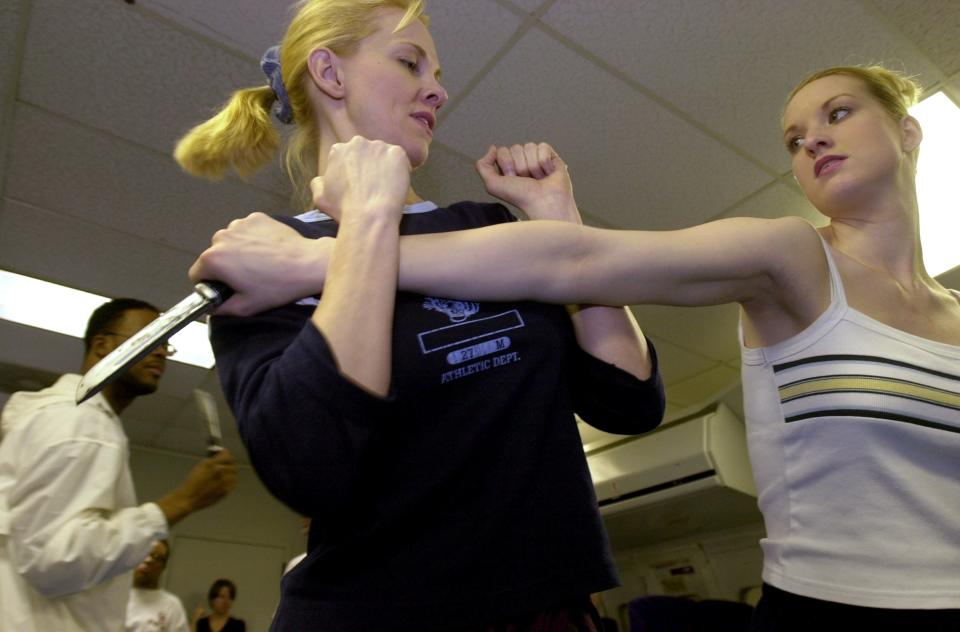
718 565
247 537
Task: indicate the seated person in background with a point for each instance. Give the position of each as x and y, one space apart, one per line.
220 597
151 608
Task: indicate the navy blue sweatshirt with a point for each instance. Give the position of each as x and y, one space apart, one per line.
461 498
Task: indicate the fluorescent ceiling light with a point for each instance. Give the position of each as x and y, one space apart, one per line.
64 310
936 182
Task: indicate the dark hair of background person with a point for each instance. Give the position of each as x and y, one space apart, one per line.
217 585
108 314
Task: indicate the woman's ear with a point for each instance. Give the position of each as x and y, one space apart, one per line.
911 133
325 71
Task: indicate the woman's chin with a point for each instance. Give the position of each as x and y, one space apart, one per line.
418 158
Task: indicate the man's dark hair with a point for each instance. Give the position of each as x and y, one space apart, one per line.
107 315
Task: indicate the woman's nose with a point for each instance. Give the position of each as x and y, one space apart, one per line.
817 143
436 95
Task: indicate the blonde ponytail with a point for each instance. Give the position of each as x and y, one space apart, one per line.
240 137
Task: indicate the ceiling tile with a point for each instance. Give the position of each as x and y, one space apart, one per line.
251 26
777 200
464 49
620 146
710 332
98 259
952 89
11 13
39 350
447 178
672 411
704 387
677 363
528 5
730 63
148 81
933 24
99 179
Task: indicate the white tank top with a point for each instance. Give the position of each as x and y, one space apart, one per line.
854 435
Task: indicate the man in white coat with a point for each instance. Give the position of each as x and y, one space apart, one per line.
71 530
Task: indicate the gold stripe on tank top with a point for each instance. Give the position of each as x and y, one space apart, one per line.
869 384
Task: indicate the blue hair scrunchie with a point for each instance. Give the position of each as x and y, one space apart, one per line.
270 65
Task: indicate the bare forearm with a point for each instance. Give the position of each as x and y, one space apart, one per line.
612 335
555 262
355 312
526 260
175 507
547 261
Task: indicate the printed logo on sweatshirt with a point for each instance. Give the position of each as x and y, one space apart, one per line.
470 346
458 311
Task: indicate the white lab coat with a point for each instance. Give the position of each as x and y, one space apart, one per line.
70 528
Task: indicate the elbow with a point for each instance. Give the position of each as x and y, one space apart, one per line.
47 577
636 409
618 420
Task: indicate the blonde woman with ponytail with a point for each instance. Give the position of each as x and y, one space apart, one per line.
850 350
432 442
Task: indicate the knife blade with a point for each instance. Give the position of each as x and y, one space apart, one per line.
208 408
206 296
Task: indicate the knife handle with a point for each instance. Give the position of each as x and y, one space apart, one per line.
216 292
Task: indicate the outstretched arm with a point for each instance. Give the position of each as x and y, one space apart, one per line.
731 260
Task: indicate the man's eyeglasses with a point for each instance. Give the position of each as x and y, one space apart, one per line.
168 348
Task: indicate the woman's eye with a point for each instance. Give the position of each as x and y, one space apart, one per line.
409 63
838 113
794 144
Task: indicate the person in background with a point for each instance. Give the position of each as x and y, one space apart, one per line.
220 598
71 531
432 442
850 349
151 608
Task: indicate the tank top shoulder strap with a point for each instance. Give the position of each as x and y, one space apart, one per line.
837 295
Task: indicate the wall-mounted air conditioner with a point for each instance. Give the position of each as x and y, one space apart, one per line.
687 477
